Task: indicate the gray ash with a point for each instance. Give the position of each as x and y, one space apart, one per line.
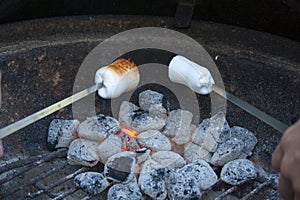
61 133
169 100
91 182
238 171
120 167
124 192
148 98
153 183
98 127
139 114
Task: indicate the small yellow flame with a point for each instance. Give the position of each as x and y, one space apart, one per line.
130 132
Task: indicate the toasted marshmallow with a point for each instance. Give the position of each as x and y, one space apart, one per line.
117 78
186 72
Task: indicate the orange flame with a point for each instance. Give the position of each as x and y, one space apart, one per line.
130 132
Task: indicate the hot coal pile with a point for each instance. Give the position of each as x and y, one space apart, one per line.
153 152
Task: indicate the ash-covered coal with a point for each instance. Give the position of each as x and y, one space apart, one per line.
140 120
178 126
218 143
150 98
142 155
121 167
194 152
153 184
203 173
83 152
126 113
123 191
91 182
182 186
238 171
239 145
98 127
109 147
150 165
171 157
211 132
61 133
227 151
143 121
154 140
247 137
189 181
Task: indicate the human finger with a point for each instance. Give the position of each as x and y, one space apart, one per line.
285 188
1 148
297 197
277 158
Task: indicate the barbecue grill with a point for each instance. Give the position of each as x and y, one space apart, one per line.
39 60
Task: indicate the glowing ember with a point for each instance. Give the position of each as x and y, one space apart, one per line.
130 132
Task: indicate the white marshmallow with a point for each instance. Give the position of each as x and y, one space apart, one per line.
119 77
186 72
